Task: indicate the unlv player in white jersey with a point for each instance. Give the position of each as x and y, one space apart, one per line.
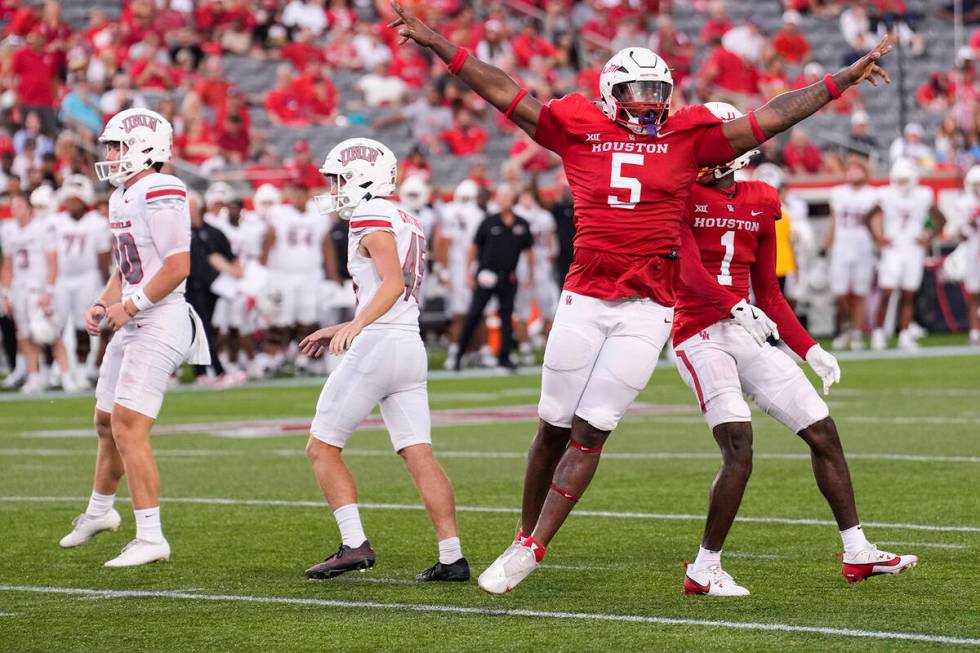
296 249
84 246
30 267
900 229
234 317
458 222
542 285
851 251
155 329
968 228
385 361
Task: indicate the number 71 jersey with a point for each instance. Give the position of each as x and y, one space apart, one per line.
382 215
150 220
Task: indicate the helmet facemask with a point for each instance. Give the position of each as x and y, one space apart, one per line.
117 170
642 105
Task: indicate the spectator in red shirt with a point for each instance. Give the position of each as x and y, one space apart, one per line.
234 105
304 172
56 34
316 93
151 71
800 155
674 47
527 156
267 169
415 165
773 80
233 140
341 51
717 24
168 20
528 43
300 50
466 137
281 103
789 42
936 94
410 66
36 81
197 144
726 76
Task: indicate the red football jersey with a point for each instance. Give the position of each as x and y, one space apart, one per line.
735 232
629 192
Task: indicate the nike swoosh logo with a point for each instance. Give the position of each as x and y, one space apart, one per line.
662 134
755 213
666 321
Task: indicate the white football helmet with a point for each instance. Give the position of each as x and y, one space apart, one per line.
42 327
43 200
415 193
771 174
220 192
144 137
635 86
727 112
266 198
78 186
904 175
357 170
972 181
467 192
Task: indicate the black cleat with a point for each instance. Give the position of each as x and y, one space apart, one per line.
346 559
458 572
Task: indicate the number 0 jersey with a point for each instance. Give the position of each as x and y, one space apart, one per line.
382 215
629 191
736 236
150 220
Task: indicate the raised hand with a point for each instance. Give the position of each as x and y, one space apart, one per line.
411 28
867 68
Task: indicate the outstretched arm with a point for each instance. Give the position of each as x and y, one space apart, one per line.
489 82
787 109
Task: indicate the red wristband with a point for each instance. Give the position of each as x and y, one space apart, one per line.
828 81
513 105
756 130
458 60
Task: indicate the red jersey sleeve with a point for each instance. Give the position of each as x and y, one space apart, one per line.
712 147
555 119
770 298
695 277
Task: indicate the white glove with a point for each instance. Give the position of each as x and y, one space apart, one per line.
825 366
752 319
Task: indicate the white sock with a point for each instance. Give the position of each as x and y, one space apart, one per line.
148 527
854 540
450 550
99 504
349 522
706 558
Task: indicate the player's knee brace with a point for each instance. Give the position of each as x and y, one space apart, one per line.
726 407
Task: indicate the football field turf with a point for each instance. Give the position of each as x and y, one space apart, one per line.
245 518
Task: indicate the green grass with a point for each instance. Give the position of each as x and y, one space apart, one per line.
622 566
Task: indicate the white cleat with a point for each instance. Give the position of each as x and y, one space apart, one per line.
514 565
857 341
906 341
975 337
713 581
843 341
87 527
33 385
139 552
872 562
878 342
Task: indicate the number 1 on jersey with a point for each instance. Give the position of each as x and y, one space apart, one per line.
724 273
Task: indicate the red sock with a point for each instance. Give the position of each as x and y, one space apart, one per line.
536 548
521 536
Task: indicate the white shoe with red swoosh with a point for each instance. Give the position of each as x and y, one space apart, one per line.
872 562
713 581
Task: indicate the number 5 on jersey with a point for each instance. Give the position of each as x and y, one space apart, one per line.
618 180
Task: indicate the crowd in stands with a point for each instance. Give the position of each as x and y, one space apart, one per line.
60 81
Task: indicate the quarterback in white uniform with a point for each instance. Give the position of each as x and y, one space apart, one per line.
851 252
900 229
542 287
234 317
155 329
458 222
84 246
30 267
968 227
295 250
385 361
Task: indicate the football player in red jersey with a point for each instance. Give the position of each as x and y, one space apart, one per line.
733 225
630 165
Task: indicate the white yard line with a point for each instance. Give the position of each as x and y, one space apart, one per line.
387 453
491 509
501 612
924 545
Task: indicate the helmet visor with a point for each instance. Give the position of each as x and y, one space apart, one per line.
644 102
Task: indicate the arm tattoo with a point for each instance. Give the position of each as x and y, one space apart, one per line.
784 111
